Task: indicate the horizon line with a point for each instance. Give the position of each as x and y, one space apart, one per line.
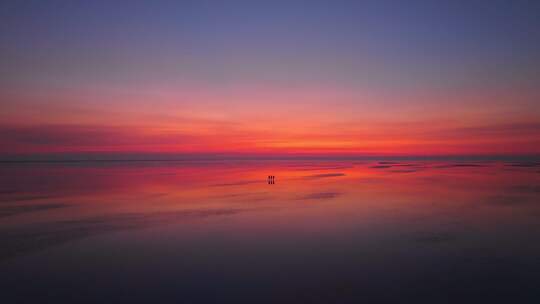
157 157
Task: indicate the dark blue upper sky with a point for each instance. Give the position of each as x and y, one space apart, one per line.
386 43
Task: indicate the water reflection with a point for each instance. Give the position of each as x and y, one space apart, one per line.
35 237
327 232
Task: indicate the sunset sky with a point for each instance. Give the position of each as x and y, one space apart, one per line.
270 77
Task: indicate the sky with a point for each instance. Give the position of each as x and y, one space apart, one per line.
270 77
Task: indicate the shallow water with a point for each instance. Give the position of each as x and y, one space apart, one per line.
218 232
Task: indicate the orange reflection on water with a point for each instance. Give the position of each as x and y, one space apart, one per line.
319 193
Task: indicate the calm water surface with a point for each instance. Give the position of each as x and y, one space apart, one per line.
218 232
